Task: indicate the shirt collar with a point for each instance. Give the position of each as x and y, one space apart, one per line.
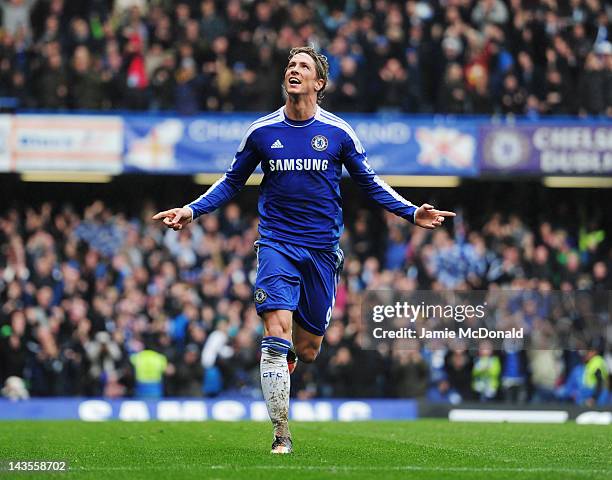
300 123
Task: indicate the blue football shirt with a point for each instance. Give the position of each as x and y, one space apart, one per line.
302 161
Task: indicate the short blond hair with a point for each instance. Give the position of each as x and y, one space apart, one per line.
321 66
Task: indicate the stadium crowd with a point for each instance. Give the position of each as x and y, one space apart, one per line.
97 303
548 57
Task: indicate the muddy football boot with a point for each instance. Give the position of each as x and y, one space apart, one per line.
281 445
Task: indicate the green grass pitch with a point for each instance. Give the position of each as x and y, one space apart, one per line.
424 449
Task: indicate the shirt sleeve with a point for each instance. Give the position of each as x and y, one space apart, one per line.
356 162
224 189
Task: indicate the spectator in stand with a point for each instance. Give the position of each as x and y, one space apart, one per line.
85 86
73 281
514 97
16 15
453 96
546 367
409 373
212 24
188 88
137 81
595 383
104 356
592 87
340 372
186 379
530 75
375 49
486 372
459 366
607 59
514 371
163 85
397 93
490 11
215 351
347 92
53 84
13 353
557 94
149 369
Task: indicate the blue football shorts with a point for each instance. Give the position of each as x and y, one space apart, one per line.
302 280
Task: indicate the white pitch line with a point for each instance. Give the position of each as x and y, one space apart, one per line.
354 468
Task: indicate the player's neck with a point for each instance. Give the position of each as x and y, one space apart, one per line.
300 107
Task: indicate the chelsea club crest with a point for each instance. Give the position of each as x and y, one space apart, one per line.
260 296
319 142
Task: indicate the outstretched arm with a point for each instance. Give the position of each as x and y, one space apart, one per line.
356 163
220 192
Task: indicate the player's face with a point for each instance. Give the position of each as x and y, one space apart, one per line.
301 76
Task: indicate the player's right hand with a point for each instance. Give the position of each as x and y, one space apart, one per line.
175 218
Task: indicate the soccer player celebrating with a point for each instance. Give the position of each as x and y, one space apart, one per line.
301 149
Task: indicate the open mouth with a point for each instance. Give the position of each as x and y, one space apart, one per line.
294 81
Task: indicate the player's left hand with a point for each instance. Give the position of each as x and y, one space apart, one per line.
429 217
175 218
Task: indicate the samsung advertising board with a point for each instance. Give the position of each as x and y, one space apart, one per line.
190 409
